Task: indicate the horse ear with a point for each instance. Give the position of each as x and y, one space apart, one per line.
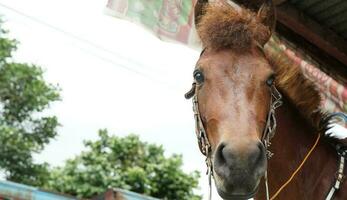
267 15
199 10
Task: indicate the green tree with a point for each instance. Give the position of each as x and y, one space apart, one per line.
127 163
108 162
24 94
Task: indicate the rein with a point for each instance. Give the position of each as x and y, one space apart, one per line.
341 152
297 170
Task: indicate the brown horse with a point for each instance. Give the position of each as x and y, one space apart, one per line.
234 87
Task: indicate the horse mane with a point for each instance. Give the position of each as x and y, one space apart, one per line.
299 90
223 26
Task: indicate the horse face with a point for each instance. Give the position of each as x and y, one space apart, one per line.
233 102
233 96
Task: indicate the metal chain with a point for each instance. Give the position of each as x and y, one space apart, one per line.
204 144
270 129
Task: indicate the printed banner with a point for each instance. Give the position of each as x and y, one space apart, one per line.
172 20
334 94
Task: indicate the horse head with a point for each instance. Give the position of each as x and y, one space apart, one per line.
233 81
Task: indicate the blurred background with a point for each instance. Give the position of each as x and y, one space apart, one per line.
110 74
91 92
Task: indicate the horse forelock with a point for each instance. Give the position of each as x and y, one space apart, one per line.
223 26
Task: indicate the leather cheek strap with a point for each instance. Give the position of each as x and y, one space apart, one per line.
191 92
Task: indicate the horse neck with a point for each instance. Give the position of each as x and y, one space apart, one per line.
293 140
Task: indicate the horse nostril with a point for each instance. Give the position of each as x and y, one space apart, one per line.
224 155
219 157
256 155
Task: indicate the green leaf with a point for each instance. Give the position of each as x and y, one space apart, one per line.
23 94
128 163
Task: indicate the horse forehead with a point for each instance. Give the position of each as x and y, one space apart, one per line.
228 62
217 56
216 65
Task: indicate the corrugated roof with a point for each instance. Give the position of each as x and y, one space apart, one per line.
10 190
128 195
330 14
15 191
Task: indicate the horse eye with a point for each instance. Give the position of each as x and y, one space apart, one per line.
199 76
270 80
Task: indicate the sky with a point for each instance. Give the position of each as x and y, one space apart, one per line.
113 74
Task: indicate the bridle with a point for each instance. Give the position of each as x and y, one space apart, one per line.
203 141
268 133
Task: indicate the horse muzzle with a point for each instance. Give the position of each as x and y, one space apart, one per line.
237 172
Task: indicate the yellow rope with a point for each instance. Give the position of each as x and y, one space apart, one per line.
297 170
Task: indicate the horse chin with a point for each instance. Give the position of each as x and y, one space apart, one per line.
228 193
229 196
